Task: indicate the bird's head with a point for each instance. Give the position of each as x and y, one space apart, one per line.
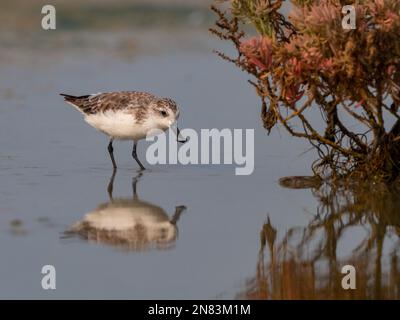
165 113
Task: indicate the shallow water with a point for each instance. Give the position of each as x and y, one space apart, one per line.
54 170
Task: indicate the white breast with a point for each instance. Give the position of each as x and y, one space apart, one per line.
122 218
131 222
119 125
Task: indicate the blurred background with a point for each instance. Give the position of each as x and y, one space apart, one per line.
55 172
119 28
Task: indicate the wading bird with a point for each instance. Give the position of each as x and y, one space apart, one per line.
126 115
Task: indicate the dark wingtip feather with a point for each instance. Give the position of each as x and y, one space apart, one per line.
67 96
70 97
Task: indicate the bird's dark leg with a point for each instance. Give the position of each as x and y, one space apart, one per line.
111 152
134 155
111 185
134 185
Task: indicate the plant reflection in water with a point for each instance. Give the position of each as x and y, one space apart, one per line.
306 262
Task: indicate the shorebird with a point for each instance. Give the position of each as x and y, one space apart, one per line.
126 115
128 223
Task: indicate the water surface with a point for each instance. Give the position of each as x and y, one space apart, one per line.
55 175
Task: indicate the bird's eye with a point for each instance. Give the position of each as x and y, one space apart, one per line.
164 113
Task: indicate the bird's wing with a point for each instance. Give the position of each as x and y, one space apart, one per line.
101 102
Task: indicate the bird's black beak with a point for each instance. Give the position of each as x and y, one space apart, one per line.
178 134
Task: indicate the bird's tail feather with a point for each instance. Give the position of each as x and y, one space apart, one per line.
70 97
78 102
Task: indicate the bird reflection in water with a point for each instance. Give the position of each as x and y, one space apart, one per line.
129 224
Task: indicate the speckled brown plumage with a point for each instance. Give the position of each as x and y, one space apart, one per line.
91 104
131 101
126 115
